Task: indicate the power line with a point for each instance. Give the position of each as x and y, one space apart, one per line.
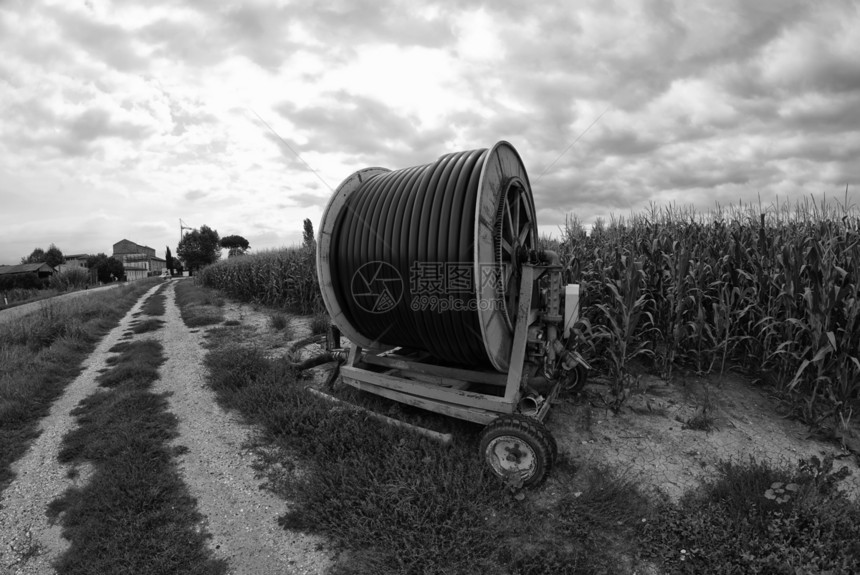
292 150
585 131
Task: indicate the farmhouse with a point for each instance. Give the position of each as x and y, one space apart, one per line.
139 261
73 261
41 271
24 276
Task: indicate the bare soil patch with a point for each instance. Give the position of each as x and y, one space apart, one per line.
657 438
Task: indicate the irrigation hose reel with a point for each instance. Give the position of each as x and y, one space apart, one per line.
434 275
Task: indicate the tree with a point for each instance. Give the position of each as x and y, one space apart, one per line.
169 260
199 248
53 257
308 235
237 245
37 257
108 269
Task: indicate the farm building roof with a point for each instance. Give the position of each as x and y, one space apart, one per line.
125 246
26 268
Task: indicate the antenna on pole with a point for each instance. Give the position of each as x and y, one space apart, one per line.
182 227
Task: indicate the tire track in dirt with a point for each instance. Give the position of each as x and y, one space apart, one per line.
218 467
29 543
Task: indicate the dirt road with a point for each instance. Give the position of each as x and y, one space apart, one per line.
217 467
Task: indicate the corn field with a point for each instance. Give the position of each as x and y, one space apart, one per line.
769 292
772 293
284 278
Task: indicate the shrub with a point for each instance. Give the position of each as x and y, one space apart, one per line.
11 282
70 279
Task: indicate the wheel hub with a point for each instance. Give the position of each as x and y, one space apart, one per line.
508 454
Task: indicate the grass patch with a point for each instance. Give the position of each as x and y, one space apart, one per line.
41 353
320 323
702 421
198 306
396 502
136 365
755 518
147 325
278 320
15 297
155 304
135 515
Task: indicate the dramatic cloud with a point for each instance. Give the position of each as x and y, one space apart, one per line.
118 119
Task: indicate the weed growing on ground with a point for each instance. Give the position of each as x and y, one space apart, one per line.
198 306
755 518
702 421
278 320
320 323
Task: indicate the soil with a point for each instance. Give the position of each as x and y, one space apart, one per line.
650 441
669 438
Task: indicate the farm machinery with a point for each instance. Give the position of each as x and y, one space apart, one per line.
434 275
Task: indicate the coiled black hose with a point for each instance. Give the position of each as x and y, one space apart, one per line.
397 241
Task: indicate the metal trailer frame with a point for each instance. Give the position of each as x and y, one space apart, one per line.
402 376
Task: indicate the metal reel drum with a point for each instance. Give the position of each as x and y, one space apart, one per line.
325 232
505 225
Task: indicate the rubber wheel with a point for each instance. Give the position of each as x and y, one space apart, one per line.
516 445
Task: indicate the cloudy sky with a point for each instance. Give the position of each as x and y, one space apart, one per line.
119 118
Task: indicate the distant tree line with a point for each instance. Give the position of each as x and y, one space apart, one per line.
200 248
107 268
